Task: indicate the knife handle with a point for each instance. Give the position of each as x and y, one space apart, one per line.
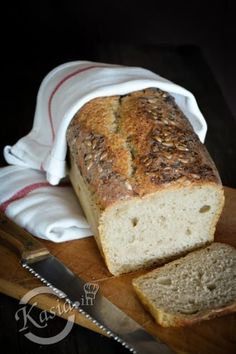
20 240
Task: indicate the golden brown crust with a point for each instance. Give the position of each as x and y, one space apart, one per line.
133 145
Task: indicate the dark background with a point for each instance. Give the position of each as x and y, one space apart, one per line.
192 43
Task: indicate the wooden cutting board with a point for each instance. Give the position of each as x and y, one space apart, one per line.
82 257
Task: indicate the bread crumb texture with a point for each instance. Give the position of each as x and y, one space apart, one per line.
197 286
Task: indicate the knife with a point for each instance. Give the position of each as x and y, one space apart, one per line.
42 264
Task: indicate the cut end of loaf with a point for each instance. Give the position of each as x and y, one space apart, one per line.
160 226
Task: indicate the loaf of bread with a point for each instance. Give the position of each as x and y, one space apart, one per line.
199 286
147 185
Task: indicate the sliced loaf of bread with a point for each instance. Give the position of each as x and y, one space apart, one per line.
147 185
199 286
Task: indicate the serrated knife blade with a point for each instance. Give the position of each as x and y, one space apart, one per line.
115 323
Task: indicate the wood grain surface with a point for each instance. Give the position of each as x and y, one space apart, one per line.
83 258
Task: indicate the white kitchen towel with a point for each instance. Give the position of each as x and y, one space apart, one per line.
67 88
49 212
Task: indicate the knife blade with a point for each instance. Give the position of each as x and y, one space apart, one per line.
42 264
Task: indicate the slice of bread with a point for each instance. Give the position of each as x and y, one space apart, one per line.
199 286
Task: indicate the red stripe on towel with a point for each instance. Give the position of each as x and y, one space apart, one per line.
58 86
26 190
41 167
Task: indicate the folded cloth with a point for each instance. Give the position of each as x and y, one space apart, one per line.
65 90
49 212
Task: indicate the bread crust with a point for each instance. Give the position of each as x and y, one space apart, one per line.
137 144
